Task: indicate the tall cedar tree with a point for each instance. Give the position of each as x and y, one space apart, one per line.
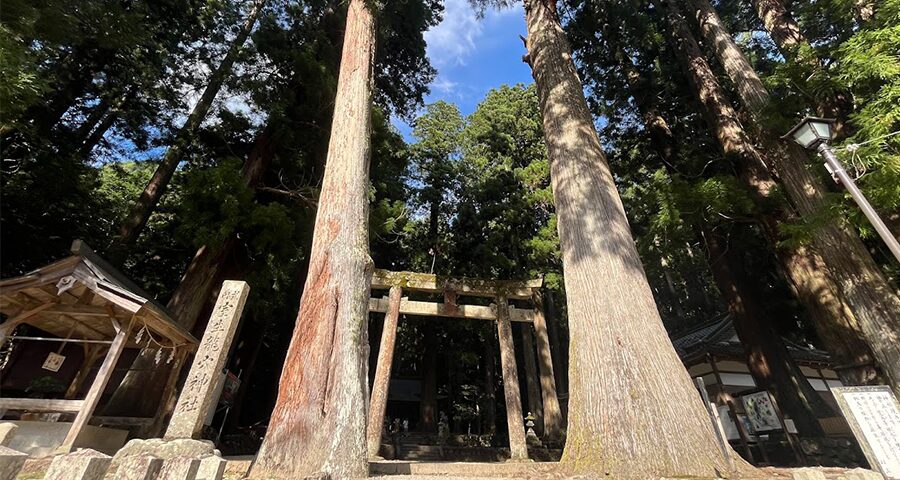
768 358
633 411
831 316
145 204
873 300
318 425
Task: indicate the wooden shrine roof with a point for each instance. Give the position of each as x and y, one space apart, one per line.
77 296
719 337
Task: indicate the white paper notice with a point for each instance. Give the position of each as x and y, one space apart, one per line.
876 416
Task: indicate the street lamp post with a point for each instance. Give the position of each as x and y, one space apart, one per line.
814 132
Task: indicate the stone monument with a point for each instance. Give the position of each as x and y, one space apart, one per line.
196 399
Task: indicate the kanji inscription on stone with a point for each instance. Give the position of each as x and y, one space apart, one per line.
874 416
196 399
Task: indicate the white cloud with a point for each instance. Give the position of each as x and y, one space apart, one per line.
444 85
452 40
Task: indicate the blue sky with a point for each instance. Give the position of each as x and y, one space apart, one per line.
474 55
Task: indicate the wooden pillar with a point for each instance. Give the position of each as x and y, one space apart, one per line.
97 388
517 448
378 401
91 354
532 382
552 412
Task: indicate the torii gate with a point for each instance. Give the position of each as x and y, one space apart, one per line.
500 311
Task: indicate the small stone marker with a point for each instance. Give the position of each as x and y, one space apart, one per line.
212 468
196 399
7 432
180 468
139 467
11 461
84 464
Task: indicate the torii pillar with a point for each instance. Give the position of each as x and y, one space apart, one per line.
552 412
378 402
518 449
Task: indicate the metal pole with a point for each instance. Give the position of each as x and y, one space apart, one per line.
837 170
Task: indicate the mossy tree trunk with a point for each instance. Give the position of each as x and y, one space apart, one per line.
633 411
318 426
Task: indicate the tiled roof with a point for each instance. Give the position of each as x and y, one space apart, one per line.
719 337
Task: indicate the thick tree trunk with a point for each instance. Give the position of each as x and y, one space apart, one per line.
318 426
145 205
767 357
866 290
812 285
141 388
633 410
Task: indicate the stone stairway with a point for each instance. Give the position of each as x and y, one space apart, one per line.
421 453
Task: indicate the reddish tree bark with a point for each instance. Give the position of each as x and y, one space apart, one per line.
318 426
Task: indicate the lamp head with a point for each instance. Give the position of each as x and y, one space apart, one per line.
811 131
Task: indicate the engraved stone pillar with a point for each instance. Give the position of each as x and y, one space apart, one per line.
196 395
517 448
378 401
11 461
139 467
84 464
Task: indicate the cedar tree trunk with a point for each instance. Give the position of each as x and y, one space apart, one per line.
767 356
142 386
769 361
841 252
793 45
633 411
318 426
145 205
